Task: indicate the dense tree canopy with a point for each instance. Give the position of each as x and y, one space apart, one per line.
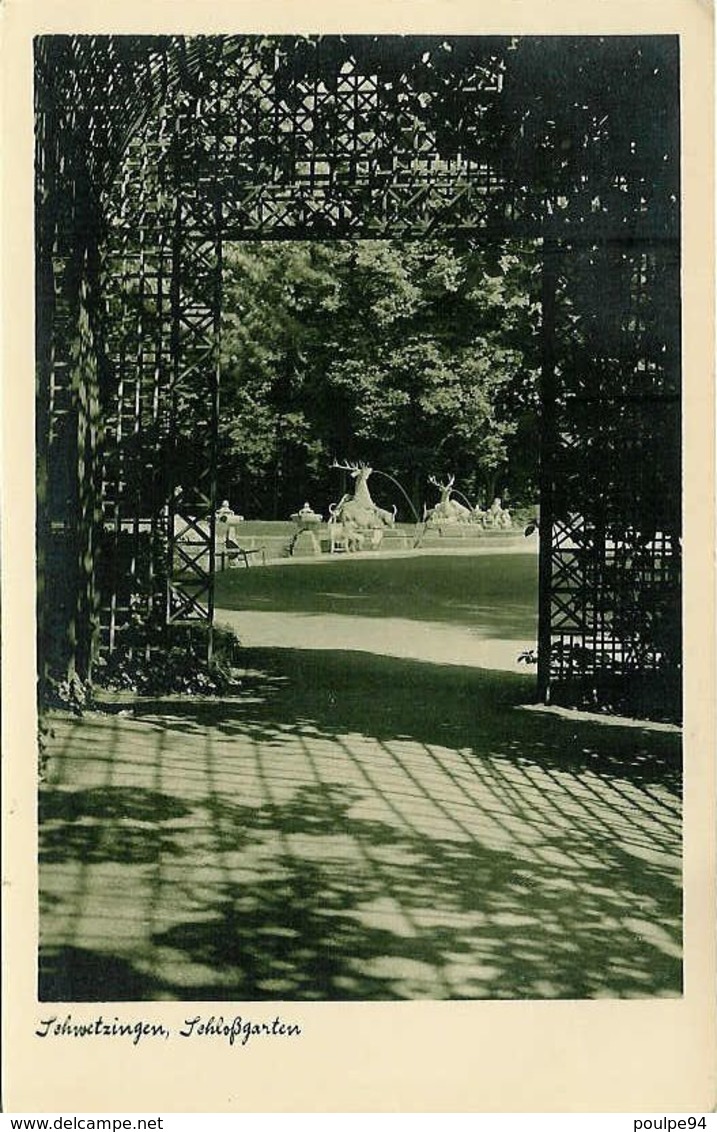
418 357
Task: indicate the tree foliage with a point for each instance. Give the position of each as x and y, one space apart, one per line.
418 357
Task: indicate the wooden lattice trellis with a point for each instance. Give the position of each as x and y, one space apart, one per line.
154 152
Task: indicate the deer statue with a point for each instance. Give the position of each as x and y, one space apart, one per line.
497 516
447 510
357 514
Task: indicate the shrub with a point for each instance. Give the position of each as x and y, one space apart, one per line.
163 666
150 664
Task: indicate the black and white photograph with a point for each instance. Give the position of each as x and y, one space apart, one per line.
359 485
358 558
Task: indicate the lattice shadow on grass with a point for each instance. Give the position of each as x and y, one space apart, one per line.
362 828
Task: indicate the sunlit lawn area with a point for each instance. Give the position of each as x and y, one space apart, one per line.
493 594
353 825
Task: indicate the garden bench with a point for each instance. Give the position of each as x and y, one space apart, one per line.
227 550
230 552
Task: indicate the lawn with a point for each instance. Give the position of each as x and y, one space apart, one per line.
353 824
358 827
494 594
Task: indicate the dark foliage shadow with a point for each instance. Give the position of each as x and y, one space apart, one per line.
304 933
108 823
353 906
332 692
106 842
130 802
76 974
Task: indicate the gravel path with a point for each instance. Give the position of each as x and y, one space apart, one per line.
435 642
325 837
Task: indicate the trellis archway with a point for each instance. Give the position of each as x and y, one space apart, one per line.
152 153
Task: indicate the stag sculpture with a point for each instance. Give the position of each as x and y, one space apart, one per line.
497 516
360 518
447 510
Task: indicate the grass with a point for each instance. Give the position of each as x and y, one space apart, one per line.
353 826
495 594
358 827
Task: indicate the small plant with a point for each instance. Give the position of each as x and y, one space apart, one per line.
178 665
149 664
45 734
68 693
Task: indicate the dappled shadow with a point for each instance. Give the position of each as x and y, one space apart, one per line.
309 933
107 802
108 823
359 827
336 692
401 916
75 974
107 842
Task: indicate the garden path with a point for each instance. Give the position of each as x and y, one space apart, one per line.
434 642
355 826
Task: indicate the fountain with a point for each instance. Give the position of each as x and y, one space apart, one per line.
447 511
357 516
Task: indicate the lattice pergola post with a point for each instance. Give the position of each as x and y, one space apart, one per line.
546 471
191 532
152 153
198 230
610 558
